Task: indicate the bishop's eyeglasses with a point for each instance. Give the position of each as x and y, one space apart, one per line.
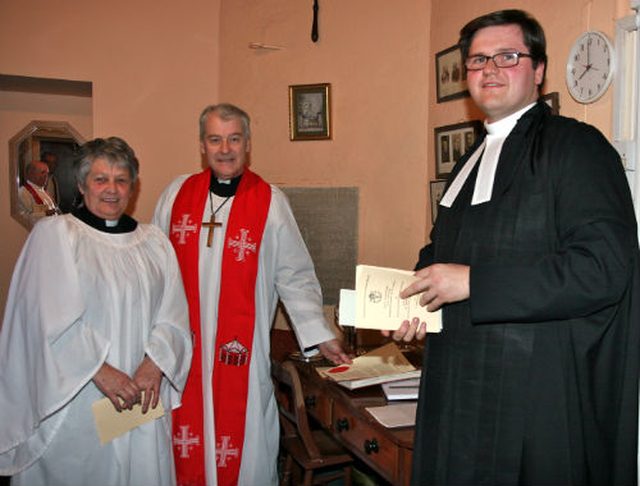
501 60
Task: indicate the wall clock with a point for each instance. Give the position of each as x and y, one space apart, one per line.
590 67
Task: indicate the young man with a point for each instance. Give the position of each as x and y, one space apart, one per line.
534 261
227 432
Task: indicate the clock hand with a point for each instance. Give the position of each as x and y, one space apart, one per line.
586 69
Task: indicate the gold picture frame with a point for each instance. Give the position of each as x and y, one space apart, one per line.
310 112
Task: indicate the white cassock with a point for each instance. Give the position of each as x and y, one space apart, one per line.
285 269
80 297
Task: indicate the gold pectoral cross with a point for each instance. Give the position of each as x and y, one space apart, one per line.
212 224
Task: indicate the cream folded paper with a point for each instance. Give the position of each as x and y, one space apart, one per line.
378 302
395 415
112 424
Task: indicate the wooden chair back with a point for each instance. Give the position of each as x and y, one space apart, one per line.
292 408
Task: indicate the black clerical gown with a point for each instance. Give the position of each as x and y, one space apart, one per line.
534 379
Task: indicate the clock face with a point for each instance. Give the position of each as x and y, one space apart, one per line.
590 67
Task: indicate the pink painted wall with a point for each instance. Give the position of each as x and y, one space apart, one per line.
375 54
16 111
155 65
563 23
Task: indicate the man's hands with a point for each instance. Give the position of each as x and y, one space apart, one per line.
334 351
125 392
441 283
408 330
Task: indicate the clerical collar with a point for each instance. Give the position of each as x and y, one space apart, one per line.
35 185
503 127
225 188
488 153
125 224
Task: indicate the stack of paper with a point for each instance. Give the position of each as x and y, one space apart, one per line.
382 365
402 390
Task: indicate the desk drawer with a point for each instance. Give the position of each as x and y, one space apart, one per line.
317 404
377 451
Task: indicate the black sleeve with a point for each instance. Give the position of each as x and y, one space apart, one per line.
425 258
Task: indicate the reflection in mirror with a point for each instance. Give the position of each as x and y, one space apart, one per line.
53 143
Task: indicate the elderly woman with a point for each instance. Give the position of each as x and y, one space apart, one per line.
96 309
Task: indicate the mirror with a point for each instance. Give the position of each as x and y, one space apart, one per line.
59 140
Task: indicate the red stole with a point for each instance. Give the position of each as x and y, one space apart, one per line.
236 320
36 197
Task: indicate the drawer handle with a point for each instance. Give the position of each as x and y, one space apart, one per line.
310 402
371 446
342 424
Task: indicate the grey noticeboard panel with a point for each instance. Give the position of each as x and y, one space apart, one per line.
328 221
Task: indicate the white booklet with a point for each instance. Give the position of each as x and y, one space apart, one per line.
378 304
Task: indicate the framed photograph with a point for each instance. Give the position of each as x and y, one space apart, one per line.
451 77
310 112
437 190
553 100
451 142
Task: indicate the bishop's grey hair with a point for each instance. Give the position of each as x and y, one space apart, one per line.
225 111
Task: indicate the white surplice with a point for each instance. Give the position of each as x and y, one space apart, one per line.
27 206
285 270
79 298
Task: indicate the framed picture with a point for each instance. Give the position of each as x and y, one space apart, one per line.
437 190
451 142
310 111
553 100
451 77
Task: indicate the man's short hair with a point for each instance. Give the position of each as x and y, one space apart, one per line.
532 33
225 111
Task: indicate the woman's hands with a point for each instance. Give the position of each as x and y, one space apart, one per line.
148 378
124 392
117 386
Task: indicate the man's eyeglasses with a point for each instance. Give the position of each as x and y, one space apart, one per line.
501 60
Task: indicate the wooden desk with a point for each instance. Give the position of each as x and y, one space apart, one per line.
342 412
